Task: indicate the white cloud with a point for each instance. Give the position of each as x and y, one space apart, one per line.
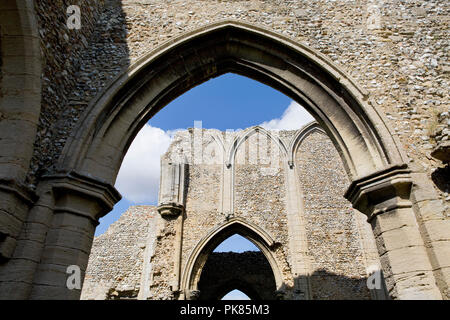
294 117
138 178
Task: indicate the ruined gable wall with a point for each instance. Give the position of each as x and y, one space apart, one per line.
261 196
340 242
117 257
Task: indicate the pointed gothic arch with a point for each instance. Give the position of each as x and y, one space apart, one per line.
343 109
373 158
199 254
216 142
240 139
300 136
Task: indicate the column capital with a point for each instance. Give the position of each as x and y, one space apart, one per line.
171 209
82 195
381 191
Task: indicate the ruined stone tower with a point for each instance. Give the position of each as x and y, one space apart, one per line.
282 190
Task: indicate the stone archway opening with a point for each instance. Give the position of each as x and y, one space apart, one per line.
210 275
247 271
381 181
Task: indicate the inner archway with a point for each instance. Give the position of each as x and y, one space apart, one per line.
247 271
259 279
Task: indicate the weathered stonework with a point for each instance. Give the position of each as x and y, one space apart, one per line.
374 75
116 267
339 246
405 52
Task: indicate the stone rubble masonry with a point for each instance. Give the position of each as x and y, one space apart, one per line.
340 245
63 61
441 136
331 220
396 51
117 256
402 59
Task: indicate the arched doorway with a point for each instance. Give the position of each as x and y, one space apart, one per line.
381 182
248 272
210 275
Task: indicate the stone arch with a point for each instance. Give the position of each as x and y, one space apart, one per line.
236 144
300 136
343 109
199 255
20 105
217 143
249 272
374 160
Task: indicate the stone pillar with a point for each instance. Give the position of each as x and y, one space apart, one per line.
79 202
385 198
171 206
16 201
16 276
172 188
435 228
20 97
298 245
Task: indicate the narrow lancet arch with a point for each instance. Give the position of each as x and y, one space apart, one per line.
300 136
240 139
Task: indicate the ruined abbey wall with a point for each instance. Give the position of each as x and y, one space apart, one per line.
337 234
339 246
117 259
397 50
384 62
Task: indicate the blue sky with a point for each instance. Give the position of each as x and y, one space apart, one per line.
227 102
236 243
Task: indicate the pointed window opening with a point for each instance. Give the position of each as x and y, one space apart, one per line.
235 295
237 270
236 243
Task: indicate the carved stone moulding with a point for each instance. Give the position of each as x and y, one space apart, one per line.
385 190
170 209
